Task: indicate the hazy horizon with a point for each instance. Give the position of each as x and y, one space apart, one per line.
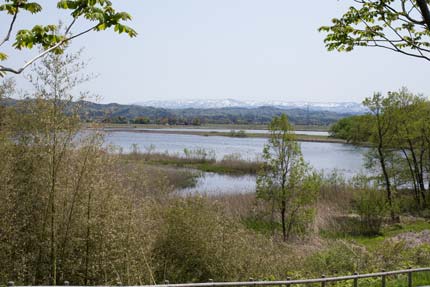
246 50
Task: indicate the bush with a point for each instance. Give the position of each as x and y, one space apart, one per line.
199 243
340 257
371 206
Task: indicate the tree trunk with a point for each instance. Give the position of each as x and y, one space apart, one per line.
386 177
411 170
418 172
284 228
422 4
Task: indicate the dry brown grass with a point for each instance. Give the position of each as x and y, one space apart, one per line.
236 205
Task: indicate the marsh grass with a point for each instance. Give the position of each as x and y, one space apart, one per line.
231 164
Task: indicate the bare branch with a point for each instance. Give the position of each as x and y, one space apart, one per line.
60 43
9 32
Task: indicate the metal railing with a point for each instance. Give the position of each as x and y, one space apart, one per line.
287 283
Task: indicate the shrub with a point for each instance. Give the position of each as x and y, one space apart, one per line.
371 206
199 243
340 257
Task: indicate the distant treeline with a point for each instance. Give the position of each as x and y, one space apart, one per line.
134 114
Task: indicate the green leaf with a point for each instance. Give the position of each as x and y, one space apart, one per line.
3 56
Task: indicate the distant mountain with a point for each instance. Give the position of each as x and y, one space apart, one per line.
117 113
337 107
194 104
220 115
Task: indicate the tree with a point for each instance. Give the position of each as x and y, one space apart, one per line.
287 182
409 129
354 129
100 13
401 26
382 136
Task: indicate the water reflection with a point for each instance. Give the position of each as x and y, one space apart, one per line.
213 184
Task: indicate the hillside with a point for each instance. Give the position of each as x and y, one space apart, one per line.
117 113
227 115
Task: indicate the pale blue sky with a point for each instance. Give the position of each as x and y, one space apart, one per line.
240 49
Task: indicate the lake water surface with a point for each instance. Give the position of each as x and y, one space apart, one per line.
326 157
247 131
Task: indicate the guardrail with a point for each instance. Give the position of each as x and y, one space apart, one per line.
287 283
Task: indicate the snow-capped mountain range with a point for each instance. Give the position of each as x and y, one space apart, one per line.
339 107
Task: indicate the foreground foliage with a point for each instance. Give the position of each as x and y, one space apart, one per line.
99 14
401 26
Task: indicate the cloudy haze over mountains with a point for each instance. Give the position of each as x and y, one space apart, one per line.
340 107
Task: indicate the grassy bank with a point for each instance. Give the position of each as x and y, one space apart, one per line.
228 165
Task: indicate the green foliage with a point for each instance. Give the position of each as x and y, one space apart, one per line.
286 181
340 257
193 248
372 208
99 13
394 25
397 129
354 129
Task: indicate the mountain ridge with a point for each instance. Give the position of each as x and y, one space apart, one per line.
340 107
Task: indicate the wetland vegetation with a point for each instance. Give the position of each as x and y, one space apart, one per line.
75 207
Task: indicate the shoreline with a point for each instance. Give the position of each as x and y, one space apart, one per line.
300 138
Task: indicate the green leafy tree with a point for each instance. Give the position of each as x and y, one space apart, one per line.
409 129
100 14
354 129
287 182
381 138
401 26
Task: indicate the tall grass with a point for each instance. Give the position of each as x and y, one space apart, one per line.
199 159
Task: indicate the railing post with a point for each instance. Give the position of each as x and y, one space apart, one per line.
66 283
383 279
410 277
288 279
10 283
323 282
355 280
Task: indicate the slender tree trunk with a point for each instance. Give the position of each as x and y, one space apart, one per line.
386 176
383 165
284 228
411 170
418 172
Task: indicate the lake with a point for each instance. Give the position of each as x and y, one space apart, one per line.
326 157
206 130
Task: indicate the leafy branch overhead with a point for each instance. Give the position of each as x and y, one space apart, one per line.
401 26
98 14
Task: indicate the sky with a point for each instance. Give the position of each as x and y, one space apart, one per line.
253 50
